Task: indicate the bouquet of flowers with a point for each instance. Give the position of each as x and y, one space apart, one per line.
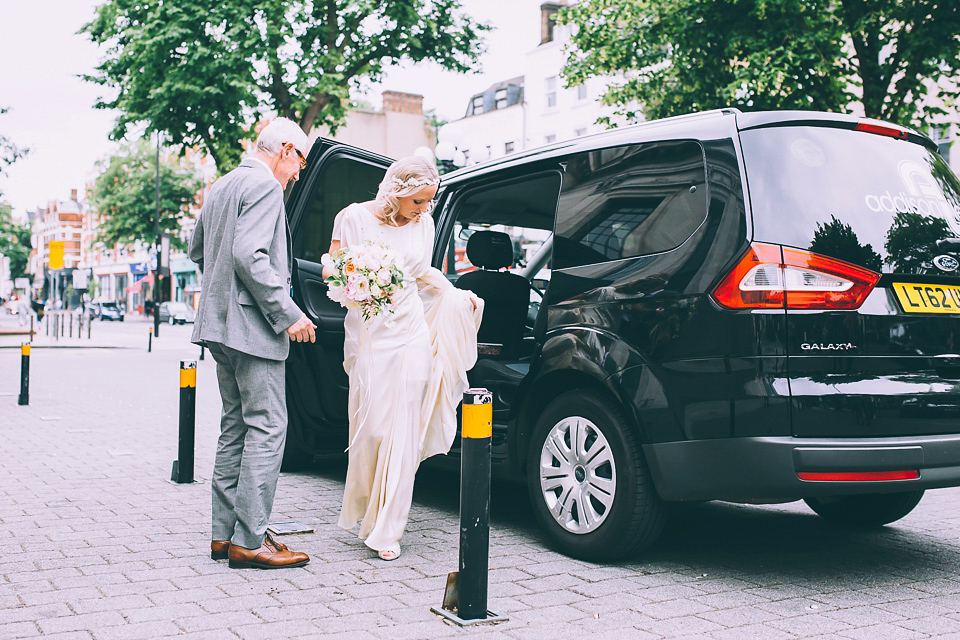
365 278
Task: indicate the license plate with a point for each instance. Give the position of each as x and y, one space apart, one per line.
928 298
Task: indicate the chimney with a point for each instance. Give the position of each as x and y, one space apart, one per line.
548 20
73 195
401 102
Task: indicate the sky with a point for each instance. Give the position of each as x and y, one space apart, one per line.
51 109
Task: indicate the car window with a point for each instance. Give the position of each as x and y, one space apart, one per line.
522 208
344 180
629 201
869 199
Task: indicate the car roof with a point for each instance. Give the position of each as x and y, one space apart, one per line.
705 125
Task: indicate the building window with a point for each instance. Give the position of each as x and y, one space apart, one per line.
581 92
478 105
550 138
508 147
940 133
580 132
551 91
500 99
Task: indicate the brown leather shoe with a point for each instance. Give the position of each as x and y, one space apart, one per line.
218 549
270 555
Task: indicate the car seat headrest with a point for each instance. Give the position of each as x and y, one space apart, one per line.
490 249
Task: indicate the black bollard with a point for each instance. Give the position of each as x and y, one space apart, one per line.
150 341
24 398
467 588
476 433
183 465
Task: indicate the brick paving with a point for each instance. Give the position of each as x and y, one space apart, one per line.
99 544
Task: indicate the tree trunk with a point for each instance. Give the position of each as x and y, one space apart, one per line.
311 113
866 45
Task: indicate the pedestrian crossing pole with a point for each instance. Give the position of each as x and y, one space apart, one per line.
24 398
183 465
467 588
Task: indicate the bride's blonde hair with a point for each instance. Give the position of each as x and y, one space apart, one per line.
404 178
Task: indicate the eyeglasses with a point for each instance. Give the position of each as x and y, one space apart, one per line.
303 161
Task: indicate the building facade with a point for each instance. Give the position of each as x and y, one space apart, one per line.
530 110
396 130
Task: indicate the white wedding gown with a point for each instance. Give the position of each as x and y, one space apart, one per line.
407 373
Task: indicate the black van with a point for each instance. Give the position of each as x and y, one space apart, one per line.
752 307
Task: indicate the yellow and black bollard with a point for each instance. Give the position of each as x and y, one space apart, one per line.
150 341
467 588
24 398
183 465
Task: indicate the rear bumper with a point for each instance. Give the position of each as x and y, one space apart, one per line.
765 469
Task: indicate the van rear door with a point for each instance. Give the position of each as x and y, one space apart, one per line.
876 197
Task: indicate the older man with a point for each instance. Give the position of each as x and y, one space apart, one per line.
246 318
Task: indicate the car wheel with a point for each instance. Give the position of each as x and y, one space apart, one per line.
173 321
871 510
588 480
295 458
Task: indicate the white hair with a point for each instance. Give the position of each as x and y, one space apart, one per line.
404 178
278 133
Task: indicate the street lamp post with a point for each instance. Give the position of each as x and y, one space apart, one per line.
156 242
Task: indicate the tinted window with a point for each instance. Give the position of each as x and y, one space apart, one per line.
868 199
629 201
344 180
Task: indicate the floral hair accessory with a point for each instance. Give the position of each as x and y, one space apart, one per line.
412 182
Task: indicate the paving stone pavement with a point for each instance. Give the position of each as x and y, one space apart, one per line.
98 544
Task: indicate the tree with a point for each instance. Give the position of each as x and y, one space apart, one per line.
200 69
14 238
912 241
678 56
124 194
9 152
838 240
14 242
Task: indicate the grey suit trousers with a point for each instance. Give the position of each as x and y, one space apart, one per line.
253 430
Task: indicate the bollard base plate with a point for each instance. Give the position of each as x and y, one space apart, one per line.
175 475
492 618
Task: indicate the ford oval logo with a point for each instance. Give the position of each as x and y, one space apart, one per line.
946 263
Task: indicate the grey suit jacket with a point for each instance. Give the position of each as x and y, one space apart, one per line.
242 244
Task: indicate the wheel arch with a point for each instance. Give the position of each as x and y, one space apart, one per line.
551 385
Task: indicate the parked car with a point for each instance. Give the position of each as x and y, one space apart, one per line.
176 312
106 311
750 307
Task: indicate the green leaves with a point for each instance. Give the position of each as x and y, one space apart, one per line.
124 194
676 56
14 242
204 71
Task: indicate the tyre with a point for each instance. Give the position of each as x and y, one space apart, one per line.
295 458
588 480
173 321
871 510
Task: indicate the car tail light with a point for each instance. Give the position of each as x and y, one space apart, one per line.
858 476
773 277
881 130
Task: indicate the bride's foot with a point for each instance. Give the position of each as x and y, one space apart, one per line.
389 554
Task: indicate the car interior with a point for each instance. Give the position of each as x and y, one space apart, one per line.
500 248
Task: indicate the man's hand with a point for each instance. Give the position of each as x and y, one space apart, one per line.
302 330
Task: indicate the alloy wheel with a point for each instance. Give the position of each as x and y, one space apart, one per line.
578 475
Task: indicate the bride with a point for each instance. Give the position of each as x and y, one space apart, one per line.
407 369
